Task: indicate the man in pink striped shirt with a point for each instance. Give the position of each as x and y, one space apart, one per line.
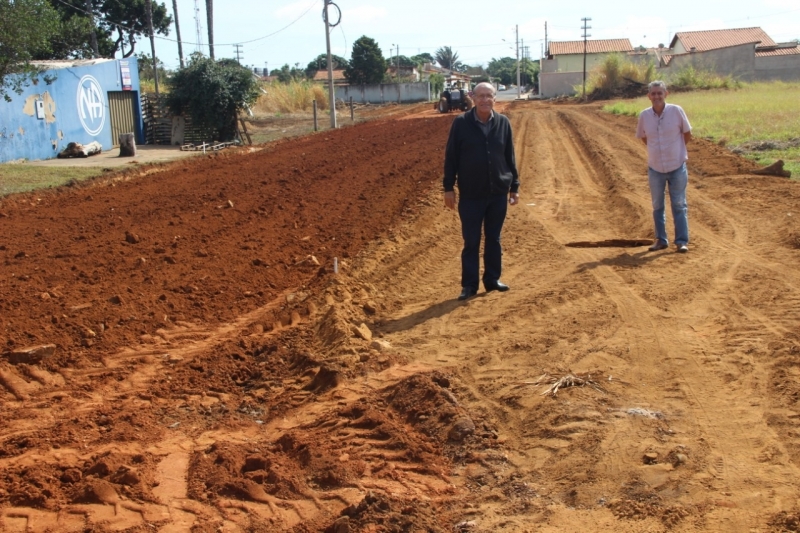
666 131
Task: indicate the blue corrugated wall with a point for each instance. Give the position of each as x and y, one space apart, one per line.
74 108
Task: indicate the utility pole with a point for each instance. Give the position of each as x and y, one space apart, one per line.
148 4
585 35
545 38
198 40
178 31
519 89
90 11
391 59
331 93
238 52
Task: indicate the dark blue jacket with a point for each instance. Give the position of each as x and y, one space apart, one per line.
481 165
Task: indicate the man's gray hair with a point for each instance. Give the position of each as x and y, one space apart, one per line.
656 83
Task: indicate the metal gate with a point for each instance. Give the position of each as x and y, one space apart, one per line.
122 109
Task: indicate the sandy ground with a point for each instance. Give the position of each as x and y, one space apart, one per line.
211 371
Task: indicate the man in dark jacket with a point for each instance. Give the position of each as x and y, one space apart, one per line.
480 159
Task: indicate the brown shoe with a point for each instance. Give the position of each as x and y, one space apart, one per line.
658 245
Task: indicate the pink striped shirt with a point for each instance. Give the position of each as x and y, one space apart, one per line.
666 149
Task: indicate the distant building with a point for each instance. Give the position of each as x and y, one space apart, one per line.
403 72
321 76
747 54
562 68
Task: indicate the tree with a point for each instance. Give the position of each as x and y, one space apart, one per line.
403 61
126 18
437 84
145 62
366 62
447 58
287 74
321 63
212 93
505 70
72 37
26 27
422 58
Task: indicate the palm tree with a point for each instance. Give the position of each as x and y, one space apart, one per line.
210 18
447 58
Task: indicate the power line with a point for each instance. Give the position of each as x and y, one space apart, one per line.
199 43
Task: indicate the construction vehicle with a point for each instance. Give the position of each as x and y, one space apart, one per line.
454 97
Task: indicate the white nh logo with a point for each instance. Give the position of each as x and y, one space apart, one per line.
90 105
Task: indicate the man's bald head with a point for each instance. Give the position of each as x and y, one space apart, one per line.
485 85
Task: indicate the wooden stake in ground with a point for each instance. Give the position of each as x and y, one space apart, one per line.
244 129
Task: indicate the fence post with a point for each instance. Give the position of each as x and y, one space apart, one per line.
352 115
315 115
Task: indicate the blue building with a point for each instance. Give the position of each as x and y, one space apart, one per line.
90 100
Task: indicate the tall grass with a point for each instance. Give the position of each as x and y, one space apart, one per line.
149 86
689 79
752 112
293 97
619 76
614 75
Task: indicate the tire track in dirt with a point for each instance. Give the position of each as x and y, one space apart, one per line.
724 429
287 417
656 344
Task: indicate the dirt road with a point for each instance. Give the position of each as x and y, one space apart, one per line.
212 373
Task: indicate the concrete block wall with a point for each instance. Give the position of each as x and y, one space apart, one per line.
384 93
552 84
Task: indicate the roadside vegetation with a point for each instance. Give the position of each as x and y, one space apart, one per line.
619 77
20 177
759 120
292 97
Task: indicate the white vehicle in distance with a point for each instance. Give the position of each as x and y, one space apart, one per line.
501 87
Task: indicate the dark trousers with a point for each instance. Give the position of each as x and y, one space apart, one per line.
484 215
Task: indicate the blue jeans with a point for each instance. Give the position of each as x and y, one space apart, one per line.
676 180
483 215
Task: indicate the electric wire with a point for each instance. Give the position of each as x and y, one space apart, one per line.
123 26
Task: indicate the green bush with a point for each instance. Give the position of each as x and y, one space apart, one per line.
690 79
213 93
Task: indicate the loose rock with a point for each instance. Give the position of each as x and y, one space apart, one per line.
363 332
463 428
32 354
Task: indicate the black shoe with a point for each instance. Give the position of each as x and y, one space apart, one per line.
497 286
467 292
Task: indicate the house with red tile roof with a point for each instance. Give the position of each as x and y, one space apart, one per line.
747 54
321 76
562 67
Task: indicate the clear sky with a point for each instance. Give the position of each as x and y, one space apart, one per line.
276 32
